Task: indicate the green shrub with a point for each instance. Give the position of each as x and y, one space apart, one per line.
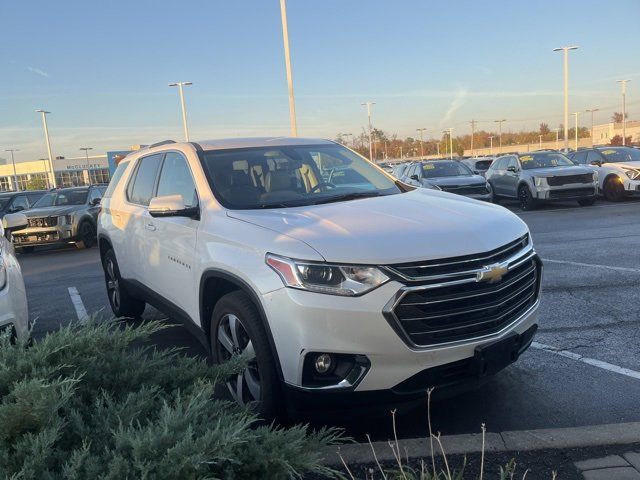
98 401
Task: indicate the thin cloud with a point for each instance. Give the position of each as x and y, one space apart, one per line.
456 103
37 71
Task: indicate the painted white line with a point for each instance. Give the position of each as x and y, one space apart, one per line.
592 265
81 312
589 361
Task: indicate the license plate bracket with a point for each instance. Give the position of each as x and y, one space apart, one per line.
492 357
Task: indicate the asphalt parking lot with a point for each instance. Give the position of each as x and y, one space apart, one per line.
583 370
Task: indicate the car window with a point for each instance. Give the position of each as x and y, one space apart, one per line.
4 201
621 154
442 168
20 202
594 156
498 164
544 160
63 198
115 179
512 162
176 179
580 157
34 197
141 186
95 193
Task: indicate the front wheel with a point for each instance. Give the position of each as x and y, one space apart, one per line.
525 198
586 202
613 189
237 329
87 235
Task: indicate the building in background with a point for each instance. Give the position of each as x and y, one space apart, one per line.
602 134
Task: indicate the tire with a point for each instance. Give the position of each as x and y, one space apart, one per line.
87 235
257 386
494 197
525 199
613 189
25 249
122 303
586 202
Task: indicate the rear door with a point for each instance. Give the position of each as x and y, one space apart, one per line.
496 175
511 179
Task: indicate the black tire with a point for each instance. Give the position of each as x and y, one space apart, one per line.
25 249
86 235
525 198
586 202
122 303
494 197
613 189
257 386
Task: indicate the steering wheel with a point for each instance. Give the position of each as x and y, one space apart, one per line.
322 184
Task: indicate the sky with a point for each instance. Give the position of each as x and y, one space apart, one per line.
103 68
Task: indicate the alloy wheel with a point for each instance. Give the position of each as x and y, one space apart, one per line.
113 286
233 339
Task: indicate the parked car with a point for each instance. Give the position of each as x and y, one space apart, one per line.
450 176
399 169
66 215
13 297
542 177
12 202
618 170
335 294
479 165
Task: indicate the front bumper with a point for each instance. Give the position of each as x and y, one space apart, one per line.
13 305
632 187
36 236
576 191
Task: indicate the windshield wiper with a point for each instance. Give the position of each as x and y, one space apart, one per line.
347 196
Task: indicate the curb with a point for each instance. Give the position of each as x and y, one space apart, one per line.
523 440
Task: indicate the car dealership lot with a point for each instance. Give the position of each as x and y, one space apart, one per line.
589 305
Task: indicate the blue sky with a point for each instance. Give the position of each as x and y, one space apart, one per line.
102 68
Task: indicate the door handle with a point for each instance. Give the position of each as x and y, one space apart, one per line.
150 226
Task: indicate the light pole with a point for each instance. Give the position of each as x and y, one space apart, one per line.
438 148
500 122
540 136
52 177
473 131
421 130
287 63
347 135
565 51
557 130
491 145
576 115
448 131
369 105
86 156
591 110
180 86
623 84
13 161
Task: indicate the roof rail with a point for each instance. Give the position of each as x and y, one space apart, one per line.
158 144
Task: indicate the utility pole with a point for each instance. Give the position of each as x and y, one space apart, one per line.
369 105
421 141
500 122
623 84
438 147
540 141
491 145
13 161
557 130
180 86
565 51
287 61
473 131
576 115
449 130
52 178
591 110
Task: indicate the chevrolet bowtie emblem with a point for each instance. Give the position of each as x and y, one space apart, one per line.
492 273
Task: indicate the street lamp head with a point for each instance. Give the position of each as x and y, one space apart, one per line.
86 148
42 111
180 83
574 47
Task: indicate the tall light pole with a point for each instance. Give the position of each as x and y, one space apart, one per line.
369 105
565 51
438 148
13 161
86 156
448 131
421 130
557 130
180 86
473 131
576 115
287 63
623 84
540 136
490 144
591 110
347 135
52 177
500 122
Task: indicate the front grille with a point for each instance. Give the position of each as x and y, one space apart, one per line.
43 222
567 179
465 189
571 192
460 308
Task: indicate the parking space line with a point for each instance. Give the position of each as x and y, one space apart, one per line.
589 361
76 299
592 265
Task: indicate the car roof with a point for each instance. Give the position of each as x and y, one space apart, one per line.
248 142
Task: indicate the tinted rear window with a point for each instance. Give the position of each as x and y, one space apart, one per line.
117 175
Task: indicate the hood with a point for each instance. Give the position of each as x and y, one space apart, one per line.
459 180
418 225
634 165
558 171
51 211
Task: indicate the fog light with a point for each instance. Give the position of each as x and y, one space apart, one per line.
323 363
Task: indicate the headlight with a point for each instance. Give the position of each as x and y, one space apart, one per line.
65 220
343 280
3 272
633 174
540 181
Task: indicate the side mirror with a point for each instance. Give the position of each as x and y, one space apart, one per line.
415 177
511 169
172 206
95 202
12 222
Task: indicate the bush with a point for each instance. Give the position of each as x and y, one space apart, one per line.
96 401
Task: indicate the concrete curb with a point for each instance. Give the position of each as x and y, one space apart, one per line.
524 440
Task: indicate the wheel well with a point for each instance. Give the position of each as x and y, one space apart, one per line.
523 184
212 290
105 245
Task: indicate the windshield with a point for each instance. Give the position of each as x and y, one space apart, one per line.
443 168
272 177
62 198
622 154
544 160
3 202
483 165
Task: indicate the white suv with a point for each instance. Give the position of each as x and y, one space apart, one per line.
334 291
13 297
